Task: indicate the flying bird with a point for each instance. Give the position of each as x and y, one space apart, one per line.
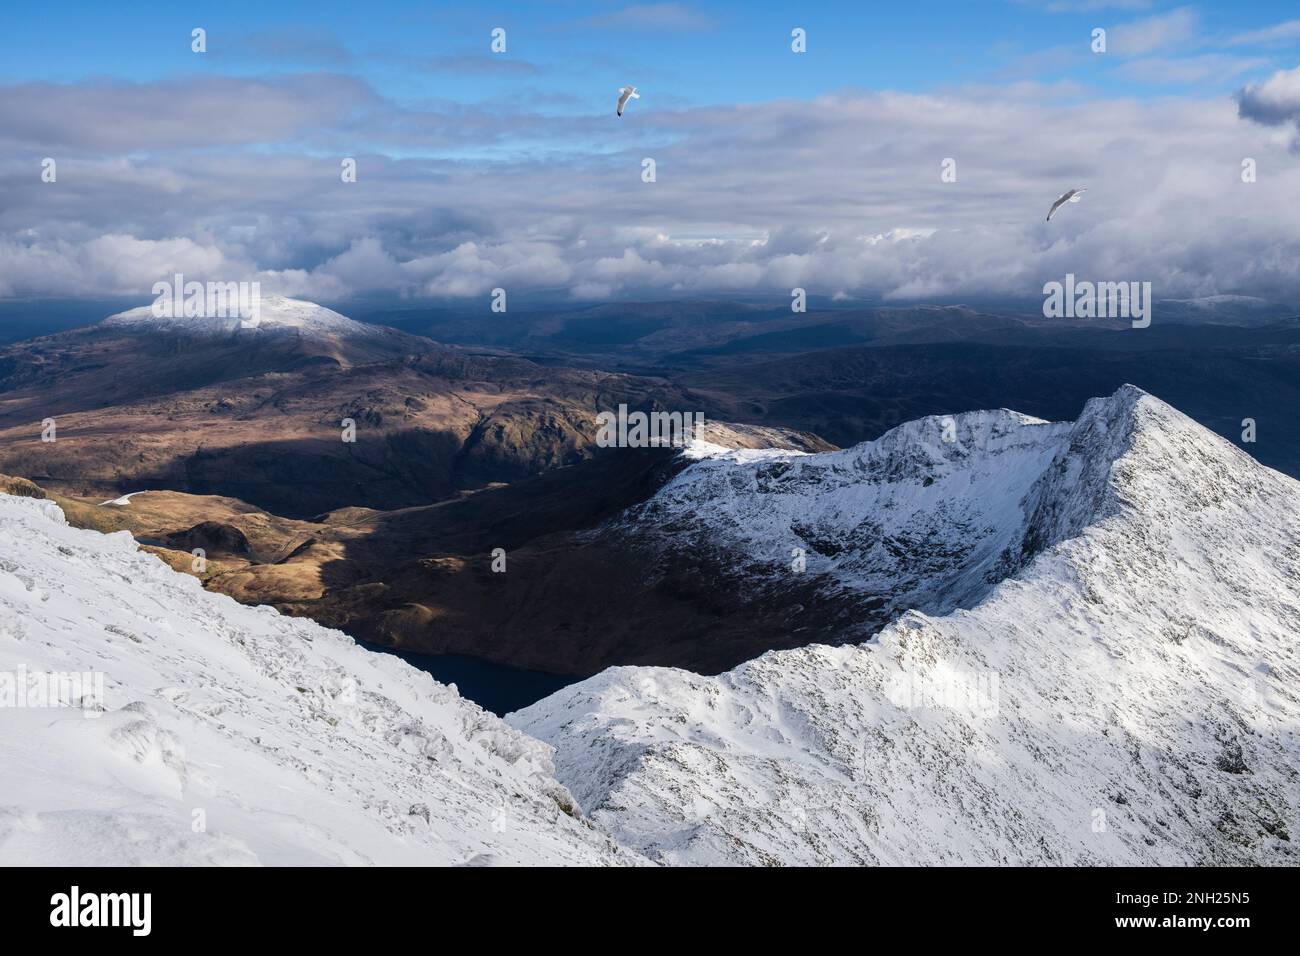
625 94
1072 196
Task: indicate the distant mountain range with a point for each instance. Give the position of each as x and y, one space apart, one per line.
205 406
235 434
852 372
695 333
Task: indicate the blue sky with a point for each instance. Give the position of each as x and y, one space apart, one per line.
695 54
774 168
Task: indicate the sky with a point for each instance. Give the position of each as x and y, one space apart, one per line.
822 169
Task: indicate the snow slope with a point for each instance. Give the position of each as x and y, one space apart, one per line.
233 735
278 314
919 518
1126 694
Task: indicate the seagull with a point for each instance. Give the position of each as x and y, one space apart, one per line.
625 94
1072 196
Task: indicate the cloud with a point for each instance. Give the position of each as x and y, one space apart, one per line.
1274 102
175 114
479 64
110 264
1160 32
650 16
839 194
1278 34
1190 69
303 45
1160 49
1086 6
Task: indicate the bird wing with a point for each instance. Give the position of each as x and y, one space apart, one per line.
1059 203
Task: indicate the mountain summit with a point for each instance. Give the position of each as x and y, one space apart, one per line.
276 313
1125 693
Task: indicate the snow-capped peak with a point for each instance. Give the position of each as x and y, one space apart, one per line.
919 518
274 313
1126 692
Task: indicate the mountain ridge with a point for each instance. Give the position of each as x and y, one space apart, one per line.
232 735
1126 696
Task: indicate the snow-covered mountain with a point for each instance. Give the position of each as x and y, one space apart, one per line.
276 314
201 405
923 517
1105 671
226 734
1123 689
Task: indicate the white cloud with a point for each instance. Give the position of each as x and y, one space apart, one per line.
1087 6
1279 33
1159 32
838 194
650 16
111 264
1190 69
1273 102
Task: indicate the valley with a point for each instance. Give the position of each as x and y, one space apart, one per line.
227 442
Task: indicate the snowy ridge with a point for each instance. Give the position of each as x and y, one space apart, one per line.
1113 680
923 517
278 314
291 744
1128 696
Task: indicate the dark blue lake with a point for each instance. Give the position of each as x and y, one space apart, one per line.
494 687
